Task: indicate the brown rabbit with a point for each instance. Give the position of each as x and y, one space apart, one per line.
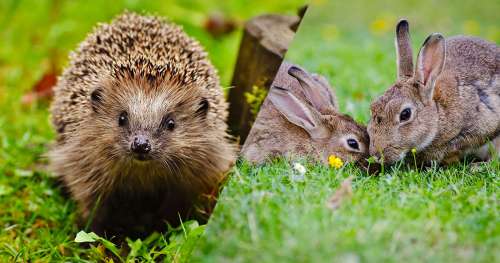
448 106
300 117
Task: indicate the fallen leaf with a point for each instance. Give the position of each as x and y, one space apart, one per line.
5 189
84 237
43 88
341 194
218 25
40 223
358 95
63 250
23 173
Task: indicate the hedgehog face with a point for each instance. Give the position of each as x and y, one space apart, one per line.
160 124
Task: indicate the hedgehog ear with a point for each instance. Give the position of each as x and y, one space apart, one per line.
203 107
96 98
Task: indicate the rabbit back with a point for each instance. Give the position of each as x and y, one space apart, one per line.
468 90
473 61
272 135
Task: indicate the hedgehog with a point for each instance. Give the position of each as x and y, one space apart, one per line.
141 133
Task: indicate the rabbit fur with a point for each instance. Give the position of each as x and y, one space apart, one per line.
300 117
449 105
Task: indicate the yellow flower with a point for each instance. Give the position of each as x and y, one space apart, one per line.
335 161
414 150
330 32
493 33
471 27
382 24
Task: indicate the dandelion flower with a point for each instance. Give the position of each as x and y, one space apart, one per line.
335 161
471 27
414 150
383 24
330 32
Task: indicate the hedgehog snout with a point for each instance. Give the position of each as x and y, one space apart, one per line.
140 146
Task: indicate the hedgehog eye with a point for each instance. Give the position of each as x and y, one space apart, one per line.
405 115
123 119
168 123
353 144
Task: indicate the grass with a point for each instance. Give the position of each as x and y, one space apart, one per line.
266 214
270 214
37 223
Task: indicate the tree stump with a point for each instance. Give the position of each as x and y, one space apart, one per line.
262 49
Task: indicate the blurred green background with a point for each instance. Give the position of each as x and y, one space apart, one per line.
352 43
35 32
36 36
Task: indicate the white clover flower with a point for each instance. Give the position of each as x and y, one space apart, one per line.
299 168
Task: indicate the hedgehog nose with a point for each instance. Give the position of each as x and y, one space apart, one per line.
141 145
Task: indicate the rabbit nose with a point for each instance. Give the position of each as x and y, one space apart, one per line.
374 151
140 145
377 155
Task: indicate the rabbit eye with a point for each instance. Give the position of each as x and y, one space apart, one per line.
353 144
405 115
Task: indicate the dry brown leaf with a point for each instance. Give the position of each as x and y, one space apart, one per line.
62 249
43 88
358 95
218 25
341 194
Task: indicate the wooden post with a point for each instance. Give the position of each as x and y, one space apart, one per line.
262 49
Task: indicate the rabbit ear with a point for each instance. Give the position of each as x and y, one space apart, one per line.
328 90
430 63
297 112
314 91
403 50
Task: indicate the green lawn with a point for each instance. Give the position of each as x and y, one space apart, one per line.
270 214
37 224
265 213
